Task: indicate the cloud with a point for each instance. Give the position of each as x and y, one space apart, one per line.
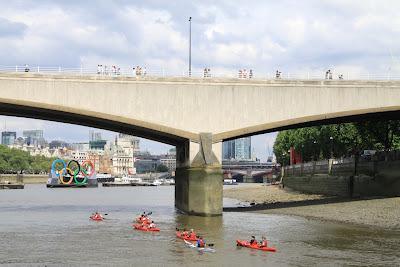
10 29
354 37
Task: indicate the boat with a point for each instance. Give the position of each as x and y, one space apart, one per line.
96 218
120 181
168 182
243 243
230 182
145 228
191 245
185 237
156 182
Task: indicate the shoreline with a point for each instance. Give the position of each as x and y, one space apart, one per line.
378 212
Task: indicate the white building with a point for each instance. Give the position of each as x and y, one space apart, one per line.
122 154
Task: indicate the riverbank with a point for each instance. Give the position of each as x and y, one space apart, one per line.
27 178
262 194
379 212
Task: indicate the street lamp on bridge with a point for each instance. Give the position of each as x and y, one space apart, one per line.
190 46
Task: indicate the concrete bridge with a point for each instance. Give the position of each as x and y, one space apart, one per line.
195 115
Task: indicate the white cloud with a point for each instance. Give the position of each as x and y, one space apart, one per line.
356 37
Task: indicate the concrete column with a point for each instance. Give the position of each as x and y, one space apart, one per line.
198 177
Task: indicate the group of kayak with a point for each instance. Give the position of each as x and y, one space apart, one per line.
144 223
191 238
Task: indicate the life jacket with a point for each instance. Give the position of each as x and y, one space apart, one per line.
97 216
192 235
200 243
264 243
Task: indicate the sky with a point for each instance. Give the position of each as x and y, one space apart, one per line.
356 37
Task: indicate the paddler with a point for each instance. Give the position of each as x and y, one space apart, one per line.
253 240
263 242
192 234
200 242
152 225
97 216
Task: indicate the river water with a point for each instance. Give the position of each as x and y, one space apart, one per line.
50 227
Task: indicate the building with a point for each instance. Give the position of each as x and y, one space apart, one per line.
122 153
228 149
94 136
169 162
129 144
34 137
80 146
97 145
238 149
149 164
243 148
8 138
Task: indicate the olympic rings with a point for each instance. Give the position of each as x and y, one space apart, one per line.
73 173
84 169
57 173
70 177
77 170
84 181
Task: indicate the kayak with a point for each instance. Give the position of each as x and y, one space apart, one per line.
191 245
96 218
145 221
185 237
246 244
145 229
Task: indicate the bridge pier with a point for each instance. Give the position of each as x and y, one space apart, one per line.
199 177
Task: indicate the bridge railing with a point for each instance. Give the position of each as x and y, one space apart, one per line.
196 73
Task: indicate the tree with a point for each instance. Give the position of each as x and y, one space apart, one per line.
341 140
162 168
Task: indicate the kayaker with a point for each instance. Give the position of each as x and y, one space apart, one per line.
192 234
200 242
253 240
184 232
152 225
97 216
263 242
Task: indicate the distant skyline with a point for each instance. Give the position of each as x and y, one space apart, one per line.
75 133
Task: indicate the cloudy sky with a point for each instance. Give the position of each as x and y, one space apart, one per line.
356 37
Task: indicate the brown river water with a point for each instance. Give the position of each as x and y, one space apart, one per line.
50 227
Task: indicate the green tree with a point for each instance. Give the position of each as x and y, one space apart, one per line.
162 168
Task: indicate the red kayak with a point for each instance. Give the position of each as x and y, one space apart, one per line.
246 244
185 237
145 228
145 220
96 217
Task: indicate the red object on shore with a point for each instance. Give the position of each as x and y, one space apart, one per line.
145 228
185 237
247 244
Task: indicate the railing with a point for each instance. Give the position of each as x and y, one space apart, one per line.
196 73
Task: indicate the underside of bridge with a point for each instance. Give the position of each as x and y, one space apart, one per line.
198 189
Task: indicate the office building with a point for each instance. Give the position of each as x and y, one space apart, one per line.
238 149
8 138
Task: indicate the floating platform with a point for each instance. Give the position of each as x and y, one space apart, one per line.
70 185
12 186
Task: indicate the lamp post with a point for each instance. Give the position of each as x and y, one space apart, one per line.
314 150
190 46
331 138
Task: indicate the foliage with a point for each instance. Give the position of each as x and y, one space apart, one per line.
18 161
338 140
162 168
